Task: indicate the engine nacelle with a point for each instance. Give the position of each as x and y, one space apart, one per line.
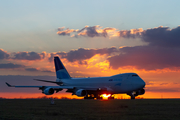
81 93
48 91
140 92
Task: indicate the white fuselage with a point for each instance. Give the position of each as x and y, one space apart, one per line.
121 83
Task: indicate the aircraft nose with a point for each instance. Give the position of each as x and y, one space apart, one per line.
142 83
138 84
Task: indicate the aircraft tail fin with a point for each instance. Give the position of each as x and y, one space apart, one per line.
61 71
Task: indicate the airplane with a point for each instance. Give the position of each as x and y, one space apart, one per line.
92 87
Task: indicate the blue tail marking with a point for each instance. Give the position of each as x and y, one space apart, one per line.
61 71
58 64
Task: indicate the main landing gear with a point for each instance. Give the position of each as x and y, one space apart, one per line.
132 97
99 97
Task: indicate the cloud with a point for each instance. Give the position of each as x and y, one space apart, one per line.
83 54
22 55
63 32
31 69
158 36
156 89
14 66
98 31
146 57
3 54
60 54
28 56
162 86
133 33
11 66
161 52
89 31
35 69
162 37
47 71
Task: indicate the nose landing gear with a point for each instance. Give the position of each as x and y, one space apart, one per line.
132 95
136 93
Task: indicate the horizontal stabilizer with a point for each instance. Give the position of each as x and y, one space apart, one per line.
9 85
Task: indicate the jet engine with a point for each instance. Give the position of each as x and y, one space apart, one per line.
48 91
140 92
81 93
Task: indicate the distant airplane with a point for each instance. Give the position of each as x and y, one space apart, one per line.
90 88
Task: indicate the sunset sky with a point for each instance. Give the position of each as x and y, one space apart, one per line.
92 38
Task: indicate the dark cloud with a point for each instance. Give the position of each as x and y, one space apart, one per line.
146 57
157 89
90 32
63 32
162 37
3 54
161 52
28 56
35 69
163 84
60 54
133 33
47 71
86 31
31 69
82 54
10 66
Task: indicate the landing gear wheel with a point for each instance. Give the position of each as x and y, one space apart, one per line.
110 98
132 97
99 98
86 97
89 97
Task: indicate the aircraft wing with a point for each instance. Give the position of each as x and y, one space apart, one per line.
54 87
59 88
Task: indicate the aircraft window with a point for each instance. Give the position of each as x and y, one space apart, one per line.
134 75
110 79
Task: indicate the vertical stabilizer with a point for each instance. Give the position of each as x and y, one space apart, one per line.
61 71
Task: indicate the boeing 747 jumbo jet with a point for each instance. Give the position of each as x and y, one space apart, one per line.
90 88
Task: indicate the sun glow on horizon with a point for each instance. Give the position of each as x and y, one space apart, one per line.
105 96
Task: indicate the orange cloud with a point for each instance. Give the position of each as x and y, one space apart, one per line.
61 31
99 31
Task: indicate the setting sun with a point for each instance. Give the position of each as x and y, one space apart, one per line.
105 96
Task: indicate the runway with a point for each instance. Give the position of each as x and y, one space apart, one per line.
139 109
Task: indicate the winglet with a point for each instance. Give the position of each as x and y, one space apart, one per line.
8 85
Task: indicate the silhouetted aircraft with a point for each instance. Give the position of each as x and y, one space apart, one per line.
90 88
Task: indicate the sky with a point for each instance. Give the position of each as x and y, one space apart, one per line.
92 38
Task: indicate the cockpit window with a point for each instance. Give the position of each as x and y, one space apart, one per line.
135 75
